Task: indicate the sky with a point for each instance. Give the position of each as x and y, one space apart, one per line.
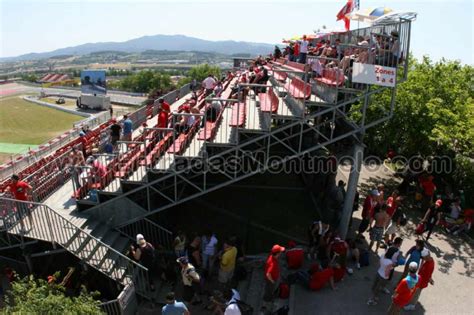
444 28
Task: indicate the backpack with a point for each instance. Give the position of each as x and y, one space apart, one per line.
244 308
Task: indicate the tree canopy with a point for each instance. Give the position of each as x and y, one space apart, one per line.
200 72
37 296
433 115
146 81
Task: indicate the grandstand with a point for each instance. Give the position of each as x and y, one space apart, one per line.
54 77
150 181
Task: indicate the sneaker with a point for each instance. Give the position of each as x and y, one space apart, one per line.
350 271
386 291
358 266
409 307
371 302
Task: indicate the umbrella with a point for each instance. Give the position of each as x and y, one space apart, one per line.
368 15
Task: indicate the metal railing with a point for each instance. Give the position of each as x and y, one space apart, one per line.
48 225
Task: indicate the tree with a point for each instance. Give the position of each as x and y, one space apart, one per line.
37 296
433 111
433 115
146 81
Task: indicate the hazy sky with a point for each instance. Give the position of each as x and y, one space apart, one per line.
443 28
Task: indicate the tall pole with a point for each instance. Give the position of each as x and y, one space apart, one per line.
358 155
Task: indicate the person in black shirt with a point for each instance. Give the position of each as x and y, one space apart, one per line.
115 129
194 252
432 217
144 253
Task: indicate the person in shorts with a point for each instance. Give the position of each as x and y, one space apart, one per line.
191 281
382 276
19 189
272 276
377 231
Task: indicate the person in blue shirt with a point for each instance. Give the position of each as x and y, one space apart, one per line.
174 307
127 128
413 255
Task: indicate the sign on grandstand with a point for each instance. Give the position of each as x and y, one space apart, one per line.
93 82
373 74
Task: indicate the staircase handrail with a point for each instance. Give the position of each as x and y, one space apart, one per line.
136 264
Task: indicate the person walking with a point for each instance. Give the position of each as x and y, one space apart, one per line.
382 277
368 211
413 255
144 253
405 290
179 244
272 276
174 307
191 281
426 277
377 231
432 217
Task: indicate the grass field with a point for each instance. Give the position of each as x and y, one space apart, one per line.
70 103
26 123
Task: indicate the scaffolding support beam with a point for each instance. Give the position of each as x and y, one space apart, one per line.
358 156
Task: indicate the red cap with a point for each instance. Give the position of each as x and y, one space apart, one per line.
186 108
277 249
439 202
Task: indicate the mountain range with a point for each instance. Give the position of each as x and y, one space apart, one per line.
155 42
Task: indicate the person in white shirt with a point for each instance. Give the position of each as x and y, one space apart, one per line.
303 50
209 84
232 308
209 243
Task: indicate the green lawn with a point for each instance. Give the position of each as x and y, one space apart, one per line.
28 123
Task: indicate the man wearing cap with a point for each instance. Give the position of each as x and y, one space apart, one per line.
368 211
191 281
425 274
174 307
272 275
432 217
144 253
405 290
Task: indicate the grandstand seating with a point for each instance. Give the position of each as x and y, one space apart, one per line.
238 115
332 77
298 88
268 101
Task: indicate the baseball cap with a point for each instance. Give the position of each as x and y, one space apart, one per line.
439 202
425 252
277 249
375 192
182 260
413 266
140 239
82 134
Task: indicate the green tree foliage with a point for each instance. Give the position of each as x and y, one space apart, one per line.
29 77
146 81
434 111
433 115
200 72
36 296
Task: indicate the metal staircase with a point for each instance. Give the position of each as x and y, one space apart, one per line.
92 242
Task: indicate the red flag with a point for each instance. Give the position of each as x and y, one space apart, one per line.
346 9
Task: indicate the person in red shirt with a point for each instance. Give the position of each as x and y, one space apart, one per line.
368 211
319 278
272 276
296 51
425 273
428 188
294 256
19 189
405 290
163 114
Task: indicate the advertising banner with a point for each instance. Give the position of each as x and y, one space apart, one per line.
93 82
373 74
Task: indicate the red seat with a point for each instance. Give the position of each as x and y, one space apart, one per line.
238 115
298 88
268 101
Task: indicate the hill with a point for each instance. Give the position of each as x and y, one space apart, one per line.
155 42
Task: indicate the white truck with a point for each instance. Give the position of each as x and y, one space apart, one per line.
97 102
